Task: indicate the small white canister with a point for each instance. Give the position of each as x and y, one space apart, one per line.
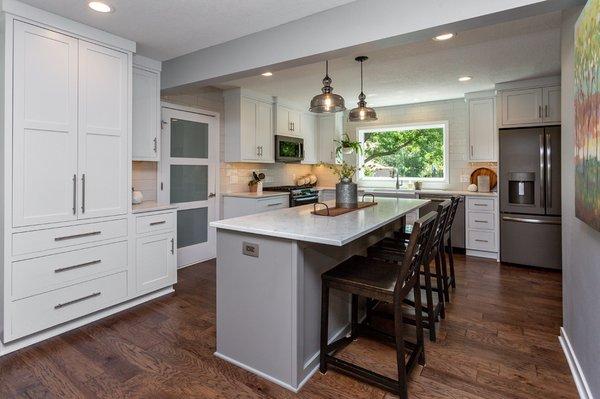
483 184
137 197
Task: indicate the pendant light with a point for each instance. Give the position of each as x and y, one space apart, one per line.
327 102
362 113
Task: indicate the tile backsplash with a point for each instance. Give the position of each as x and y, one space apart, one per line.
144 178
235 176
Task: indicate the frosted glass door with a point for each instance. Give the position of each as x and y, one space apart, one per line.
189 167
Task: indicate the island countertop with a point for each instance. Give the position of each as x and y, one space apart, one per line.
299 224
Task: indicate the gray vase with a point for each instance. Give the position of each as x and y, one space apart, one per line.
346 194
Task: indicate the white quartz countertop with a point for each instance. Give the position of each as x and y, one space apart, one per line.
264 194
391 191
151 206
299 224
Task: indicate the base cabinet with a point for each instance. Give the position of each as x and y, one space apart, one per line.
481 219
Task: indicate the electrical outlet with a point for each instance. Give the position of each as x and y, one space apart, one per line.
465 178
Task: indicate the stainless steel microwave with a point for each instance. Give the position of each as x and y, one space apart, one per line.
289 149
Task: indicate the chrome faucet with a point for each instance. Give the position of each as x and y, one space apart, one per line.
398 184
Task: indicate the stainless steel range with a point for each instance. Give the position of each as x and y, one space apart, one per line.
299 195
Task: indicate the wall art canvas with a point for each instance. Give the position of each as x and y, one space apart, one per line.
587 115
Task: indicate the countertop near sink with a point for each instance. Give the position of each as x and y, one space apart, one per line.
264 194
150 206
377 190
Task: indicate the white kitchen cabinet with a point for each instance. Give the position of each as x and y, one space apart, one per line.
329 128
530 106
483 134
482 230
44 126
287 120
248 127
236 206
146 123
308 122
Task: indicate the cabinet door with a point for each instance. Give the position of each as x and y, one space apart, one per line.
249 148
264 131
44 126
552 104
326 129
156 262
482 130
522 107
308 123
294 122
282 120
146 115
103 129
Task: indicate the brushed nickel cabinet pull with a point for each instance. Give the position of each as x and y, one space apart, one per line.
155 223
275 204
546 110
74 194
83 193
64 269
155 145
74 301
92 233
476 204
478 240
481 221
172 245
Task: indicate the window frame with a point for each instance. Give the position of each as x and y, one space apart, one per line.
444 124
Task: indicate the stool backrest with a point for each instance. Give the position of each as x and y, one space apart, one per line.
418 246
444 210
455 203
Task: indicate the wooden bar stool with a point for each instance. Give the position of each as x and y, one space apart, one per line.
391 251
386 282
446 248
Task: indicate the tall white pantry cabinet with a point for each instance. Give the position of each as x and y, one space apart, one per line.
67 227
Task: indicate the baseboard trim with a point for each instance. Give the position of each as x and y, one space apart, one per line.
580 382
482 254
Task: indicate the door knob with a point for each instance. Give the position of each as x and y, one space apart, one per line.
211 195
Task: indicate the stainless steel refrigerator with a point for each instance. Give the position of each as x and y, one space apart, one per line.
530 196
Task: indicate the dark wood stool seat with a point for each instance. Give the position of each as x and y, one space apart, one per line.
384 282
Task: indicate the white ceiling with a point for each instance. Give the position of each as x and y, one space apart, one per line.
164 29
429 70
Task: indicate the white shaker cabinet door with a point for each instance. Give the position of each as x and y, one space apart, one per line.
146 115
103 106
45 126
156 262
264 131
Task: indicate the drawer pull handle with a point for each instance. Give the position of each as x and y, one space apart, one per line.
172 246
92 233
481 221
155 223
279 203
479 204
64 269
74 301
478 240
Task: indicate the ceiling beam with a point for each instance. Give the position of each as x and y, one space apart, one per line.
361 25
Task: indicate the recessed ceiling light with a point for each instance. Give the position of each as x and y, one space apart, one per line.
464 78
267 74
100 6
444 36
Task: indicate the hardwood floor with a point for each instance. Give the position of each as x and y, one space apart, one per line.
499 340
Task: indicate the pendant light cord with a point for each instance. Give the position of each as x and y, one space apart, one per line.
361 76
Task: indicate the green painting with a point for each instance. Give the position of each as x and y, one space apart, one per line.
587 115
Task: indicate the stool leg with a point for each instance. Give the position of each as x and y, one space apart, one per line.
442 252
324 327
398 324
440 288
429 298
354 317
419 323
451 258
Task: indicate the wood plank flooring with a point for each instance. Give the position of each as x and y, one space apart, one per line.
499 340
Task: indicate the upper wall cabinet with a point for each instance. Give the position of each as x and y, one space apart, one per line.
70 147
330 128
308 122
483 134
530 106
287 120
248 127
146 109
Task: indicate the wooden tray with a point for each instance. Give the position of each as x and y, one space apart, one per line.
327 211
485 172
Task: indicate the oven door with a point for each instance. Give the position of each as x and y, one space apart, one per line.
289 149
309 199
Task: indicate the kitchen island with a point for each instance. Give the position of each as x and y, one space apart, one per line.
269 268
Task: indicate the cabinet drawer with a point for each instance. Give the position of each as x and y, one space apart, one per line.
481 220
46 310
481 240
156 222
61 237
480 204
35 276
270 204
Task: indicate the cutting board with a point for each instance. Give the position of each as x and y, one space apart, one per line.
485 172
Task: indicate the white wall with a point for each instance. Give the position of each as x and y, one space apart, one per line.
581 244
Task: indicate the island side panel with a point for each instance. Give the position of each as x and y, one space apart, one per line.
254 304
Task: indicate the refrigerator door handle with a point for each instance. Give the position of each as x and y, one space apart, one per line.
548 171
530 220
542 167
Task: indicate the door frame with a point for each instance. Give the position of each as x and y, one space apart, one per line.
215 146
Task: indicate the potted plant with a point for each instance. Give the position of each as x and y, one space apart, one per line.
346 191
256 184
347 146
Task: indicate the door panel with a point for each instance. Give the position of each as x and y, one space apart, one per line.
45 126
553 204
520 152
552 104
103 166
521 106
482 129
155 262
145 114
264 131
248 143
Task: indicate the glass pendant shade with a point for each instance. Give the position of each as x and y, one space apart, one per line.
362 113
327 101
